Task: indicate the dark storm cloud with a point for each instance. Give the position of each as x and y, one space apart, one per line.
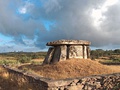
72 20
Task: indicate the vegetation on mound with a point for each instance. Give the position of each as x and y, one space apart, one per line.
69 69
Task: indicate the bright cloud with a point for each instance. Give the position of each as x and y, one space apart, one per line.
97 14
22 10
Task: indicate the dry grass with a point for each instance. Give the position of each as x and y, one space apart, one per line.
7 58
3 72
61 70
70 69
115 68
13 82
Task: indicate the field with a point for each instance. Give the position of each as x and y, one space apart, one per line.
17 58
31 62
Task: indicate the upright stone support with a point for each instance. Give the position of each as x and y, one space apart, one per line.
75 51
49 56
56 55
88 52
66 49
63 55
85 52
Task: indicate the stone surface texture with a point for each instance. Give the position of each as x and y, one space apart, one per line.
68 42
75 51
67 49
96 82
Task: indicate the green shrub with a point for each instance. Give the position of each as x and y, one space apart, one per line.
115 58
35 56
24 59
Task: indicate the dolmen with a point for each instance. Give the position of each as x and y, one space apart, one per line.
61 50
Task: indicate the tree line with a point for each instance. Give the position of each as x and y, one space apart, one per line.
109 54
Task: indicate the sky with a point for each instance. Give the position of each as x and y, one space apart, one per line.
27 25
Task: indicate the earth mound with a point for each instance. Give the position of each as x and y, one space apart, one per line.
69 69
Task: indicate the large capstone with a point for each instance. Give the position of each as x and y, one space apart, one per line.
66 49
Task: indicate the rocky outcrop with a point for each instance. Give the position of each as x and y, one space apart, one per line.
67 49
97 82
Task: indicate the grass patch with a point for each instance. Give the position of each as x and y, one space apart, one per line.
110 62
8 62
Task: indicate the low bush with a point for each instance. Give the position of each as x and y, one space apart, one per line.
24 59
115 58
